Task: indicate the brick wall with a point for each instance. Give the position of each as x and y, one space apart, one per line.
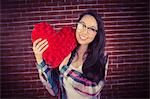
127 43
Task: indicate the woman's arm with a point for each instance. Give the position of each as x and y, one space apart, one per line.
49 78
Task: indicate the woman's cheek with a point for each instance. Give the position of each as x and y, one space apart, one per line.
77 35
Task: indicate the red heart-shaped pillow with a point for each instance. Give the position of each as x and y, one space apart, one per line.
61 44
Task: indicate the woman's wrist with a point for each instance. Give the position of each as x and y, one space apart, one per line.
39 61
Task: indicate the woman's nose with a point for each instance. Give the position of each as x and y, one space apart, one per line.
85 30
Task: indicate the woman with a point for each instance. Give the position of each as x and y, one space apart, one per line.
81 74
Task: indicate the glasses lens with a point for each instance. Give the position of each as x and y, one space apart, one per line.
91 30
80 26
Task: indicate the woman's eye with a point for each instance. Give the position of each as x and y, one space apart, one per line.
84 25
91 29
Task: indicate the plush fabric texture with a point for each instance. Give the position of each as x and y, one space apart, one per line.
61 43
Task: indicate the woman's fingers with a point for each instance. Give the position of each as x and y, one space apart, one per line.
41 43
43 46
36 42
39 46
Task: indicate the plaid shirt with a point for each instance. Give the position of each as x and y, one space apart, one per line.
54 81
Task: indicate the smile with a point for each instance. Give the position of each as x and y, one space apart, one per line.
83 37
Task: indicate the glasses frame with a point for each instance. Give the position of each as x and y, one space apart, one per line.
89 29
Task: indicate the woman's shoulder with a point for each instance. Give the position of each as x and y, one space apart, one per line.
65 61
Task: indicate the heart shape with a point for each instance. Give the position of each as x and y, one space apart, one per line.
61 43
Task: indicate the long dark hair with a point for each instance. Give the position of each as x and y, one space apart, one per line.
94 64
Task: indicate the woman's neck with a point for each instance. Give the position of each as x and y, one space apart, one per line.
79 59
82 50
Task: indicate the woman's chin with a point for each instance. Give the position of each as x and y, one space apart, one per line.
83 42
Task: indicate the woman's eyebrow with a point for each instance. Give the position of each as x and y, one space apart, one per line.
82 22
93 27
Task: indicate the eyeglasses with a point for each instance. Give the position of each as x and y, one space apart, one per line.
82 26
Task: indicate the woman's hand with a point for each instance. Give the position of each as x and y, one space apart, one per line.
39 46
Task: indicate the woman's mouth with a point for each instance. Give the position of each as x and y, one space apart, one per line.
83 37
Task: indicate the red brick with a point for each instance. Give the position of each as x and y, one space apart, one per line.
127 44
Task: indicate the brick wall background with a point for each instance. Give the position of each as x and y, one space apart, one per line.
127 43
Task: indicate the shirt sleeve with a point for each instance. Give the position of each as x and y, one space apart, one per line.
49 78
80 83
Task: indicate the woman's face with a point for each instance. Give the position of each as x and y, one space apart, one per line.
86 30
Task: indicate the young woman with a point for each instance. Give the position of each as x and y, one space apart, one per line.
81 74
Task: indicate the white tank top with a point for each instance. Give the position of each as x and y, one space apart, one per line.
70 91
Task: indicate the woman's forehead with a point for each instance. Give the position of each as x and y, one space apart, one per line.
89 20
